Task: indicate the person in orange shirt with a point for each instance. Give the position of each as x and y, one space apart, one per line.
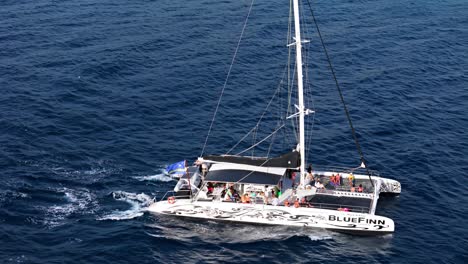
245 198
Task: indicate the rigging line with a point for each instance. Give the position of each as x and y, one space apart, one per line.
274 132
227 77
271 144
242 139
278 89
257 126
356 141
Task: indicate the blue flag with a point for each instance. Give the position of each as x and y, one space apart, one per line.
176 169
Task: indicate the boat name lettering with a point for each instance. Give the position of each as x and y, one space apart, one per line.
356 220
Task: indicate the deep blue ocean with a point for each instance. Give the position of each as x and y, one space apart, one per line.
97 97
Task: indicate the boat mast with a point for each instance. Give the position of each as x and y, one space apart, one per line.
300 89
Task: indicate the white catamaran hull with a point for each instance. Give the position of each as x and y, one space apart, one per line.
346 222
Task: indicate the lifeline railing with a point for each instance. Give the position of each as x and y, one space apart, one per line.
173 194
327 169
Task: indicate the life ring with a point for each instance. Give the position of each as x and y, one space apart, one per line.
171 200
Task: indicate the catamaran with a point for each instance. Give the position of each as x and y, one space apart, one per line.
281 190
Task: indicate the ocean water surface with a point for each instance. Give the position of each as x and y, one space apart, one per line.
97 97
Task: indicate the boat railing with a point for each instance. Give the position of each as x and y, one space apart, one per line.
334 170
348 191
167 194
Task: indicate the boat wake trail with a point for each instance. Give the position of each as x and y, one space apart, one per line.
218 233
138 203
75 201
319 237
161 177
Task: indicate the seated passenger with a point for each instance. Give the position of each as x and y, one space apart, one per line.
245 198
353 189
275 200
230 194
210 188
261 196
204 169
309 176
318 185
296 203
360 188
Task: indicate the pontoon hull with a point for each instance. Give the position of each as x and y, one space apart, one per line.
346 222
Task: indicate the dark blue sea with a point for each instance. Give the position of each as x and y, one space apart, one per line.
97 97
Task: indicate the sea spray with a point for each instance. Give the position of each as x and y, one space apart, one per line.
138 203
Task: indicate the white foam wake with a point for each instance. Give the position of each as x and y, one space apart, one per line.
80 201
138 203
319 237
157 177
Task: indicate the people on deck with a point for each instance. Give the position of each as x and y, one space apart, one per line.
296 203
204 169
351 179
230 194
210 187
253 195
338 179
263 197
360 188
275 200
332 180
318 184
305 203
353 188
245 198
309 176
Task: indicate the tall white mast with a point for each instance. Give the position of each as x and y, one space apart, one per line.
300 89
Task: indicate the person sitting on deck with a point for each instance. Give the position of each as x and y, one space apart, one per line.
204 169
318 185
245 198
210 188
262 196
360 188
353 189
275 200
253 195
236 195
305 203
296 203
229 194
309 176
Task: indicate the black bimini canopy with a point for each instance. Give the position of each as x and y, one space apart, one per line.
241 173
290 160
